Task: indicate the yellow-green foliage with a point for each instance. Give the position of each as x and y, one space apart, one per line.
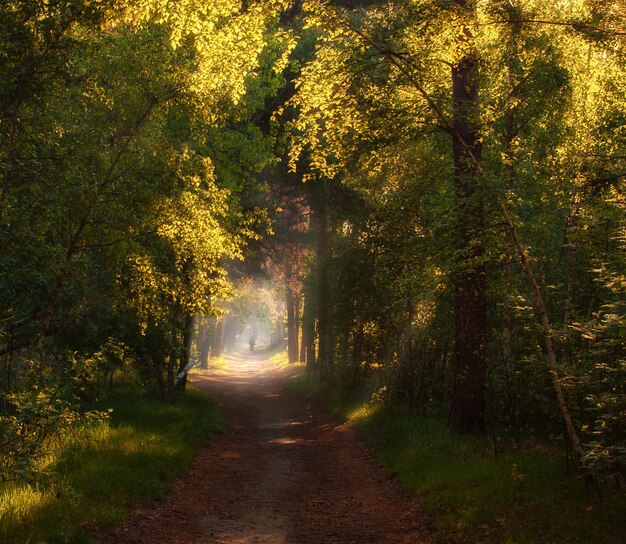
279 359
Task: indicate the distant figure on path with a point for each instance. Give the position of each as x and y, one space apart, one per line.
251 342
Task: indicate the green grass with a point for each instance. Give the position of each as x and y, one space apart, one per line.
279 359
520 497
103 470
220 363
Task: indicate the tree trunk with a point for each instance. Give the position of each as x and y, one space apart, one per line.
296 325
308 332
507 354
231 338
186 351
226 328
206 335
570 429
468 398
229 334
572 435
303 340
216 345
292 331
307 324
325 359
280 333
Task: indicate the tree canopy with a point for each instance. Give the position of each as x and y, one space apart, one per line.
438 187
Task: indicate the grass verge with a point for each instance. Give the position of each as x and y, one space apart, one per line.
520 497
280 359
101 471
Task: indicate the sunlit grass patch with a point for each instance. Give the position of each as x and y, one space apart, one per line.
18 502
101 471
280 359
363 412
218 362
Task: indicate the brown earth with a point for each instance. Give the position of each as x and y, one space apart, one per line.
285 472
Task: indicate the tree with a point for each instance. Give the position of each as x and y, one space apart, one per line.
468 401
384 61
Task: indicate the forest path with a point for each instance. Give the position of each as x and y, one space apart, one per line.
284 473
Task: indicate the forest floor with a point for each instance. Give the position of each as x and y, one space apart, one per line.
285 472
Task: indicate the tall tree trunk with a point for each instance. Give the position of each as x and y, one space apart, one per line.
570 429
216 346
203 345
229 334
186 349
467 410
292 331
304 339
325 358
206 335
296 325
546 326
507 354
308 332
280 333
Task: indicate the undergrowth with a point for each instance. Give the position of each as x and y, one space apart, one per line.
280 359
220 363
521 496
101 470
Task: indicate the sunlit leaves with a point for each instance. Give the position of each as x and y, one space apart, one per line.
111 210
226 41
373 111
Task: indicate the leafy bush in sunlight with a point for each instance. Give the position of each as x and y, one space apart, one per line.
33 422
97 467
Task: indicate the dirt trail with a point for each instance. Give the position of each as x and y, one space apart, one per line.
284 473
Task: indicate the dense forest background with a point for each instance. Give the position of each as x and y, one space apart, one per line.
437 187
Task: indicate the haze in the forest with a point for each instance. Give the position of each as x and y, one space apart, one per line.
421 201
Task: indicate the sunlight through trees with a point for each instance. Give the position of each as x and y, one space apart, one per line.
420 199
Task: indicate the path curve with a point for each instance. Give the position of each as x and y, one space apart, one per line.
284 473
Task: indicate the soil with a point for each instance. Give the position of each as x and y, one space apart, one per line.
285 472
